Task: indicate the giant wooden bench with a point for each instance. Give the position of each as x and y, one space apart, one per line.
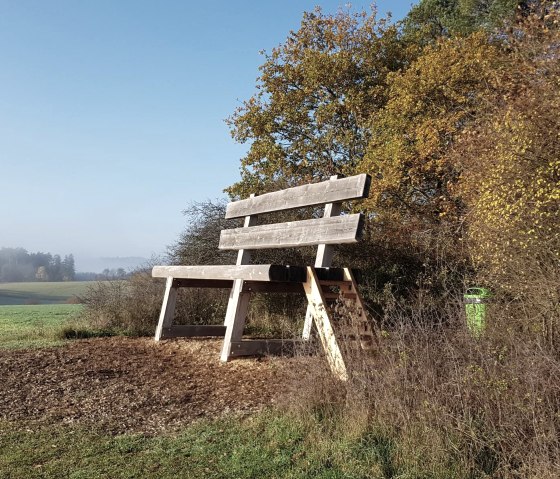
322 284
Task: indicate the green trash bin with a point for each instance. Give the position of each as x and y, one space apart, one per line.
475 307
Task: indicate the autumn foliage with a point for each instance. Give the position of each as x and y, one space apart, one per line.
454 114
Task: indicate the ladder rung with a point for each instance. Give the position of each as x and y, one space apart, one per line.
336 283
331 296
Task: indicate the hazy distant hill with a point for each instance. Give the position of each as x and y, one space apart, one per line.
97 265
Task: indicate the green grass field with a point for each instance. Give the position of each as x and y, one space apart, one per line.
266 445
34 326
41 293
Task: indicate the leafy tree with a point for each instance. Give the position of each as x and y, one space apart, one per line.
55 268
11 273
350 93
198 244
68 268
15 265
431 20
40 259
428 105
310 116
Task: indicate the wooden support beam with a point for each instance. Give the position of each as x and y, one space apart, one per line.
325 253
322 320
193 330
167 308
257 347
238 303
336 230
331 191
203 283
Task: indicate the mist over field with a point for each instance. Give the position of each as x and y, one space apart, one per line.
97 265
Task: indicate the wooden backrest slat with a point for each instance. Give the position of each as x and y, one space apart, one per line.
335 230
331 191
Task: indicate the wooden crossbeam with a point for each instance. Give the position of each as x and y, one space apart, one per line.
193 330
256 347
203 283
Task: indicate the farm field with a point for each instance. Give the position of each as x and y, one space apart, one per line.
41 293
31 326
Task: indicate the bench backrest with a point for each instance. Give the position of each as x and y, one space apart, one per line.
329 230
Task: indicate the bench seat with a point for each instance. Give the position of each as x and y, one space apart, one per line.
250 272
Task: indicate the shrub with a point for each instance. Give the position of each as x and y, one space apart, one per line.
133 306
444 403
511 179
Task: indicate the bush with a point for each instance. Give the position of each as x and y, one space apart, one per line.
73 300
511 179
446 404
133 306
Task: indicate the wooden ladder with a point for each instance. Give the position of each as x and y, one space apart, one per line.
338 312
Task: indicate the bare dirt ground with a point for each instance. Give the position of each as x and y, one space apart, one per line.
136 385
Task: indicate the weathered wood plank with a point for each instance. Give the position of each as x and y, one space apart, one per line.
167 312
323 259
193 330
238 303
330 191
336 230
222 276
322 319
256 347
256 272
236 313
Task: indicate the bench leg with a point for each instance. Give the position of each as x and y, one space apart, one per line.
167 308
235 317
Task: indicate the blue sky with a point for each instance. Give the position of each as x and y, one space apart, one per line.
112 114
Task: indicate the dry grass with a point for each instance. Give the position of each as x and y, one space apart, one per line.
447 404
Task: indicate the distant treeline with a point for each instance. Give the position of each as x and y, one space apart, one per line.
16 264
106 275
